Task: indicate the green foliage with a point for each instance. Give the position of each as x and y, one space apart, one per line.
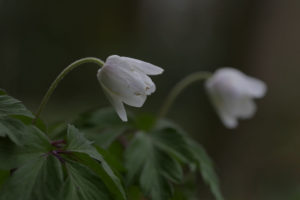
195 154
103 118
154 156
28 121
144 122
173 142
82 183
12 128
9 126
134 193
76 142
206 169
73 171
38 179
155 159
152 166
36 142
102 126
114 157
107 137
11 106
99 119
8 154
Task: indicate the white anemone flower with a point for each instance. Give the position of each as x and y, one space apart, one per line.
232 93
125 80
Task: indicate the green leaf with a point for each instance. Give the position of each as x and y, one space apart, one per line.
106 138
154 167
153 183
173 142
33 143
49 175
42 175
8 154
112 158
100 119
105 118
28 121
179 195
12 128
206 168
188 190
102 126
16 130
38 179
83 184
134 193
168 124
144 122
12 106
76 142
57 130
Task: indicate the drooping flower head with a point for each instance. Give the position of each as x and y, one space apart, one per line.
126 80
232 93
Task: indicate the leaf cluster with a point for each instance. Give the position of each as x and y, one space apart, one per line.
98 157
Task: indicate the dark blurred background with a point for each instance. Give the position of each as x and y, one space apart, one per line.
257 161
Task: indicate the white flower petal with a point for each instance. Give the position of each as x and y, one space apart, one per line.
131 86
239 106
120 86
247 108
125 80
136 100
144 67
149 85
229 121
231 93
223 111
120 81
116 103
255 87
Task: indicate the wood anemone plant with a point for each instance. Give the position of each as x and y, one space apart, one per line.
102 157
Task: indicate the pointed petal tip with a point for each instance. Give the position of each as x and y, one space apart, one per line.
231 126
161 70
264 89
116 103
257 88
122 113
155 70
123 119
229 121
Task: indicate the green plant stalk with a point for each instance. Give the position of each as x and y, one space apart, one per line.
178 88
60 77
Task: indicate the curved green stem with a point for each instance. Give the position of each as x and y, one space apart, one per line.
179 87
60 77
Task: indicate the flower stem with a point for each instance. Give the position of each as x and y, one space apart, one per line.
178 88
60 77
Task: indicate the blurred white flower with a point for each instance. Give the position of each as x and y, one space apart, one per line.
232 93
125 80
